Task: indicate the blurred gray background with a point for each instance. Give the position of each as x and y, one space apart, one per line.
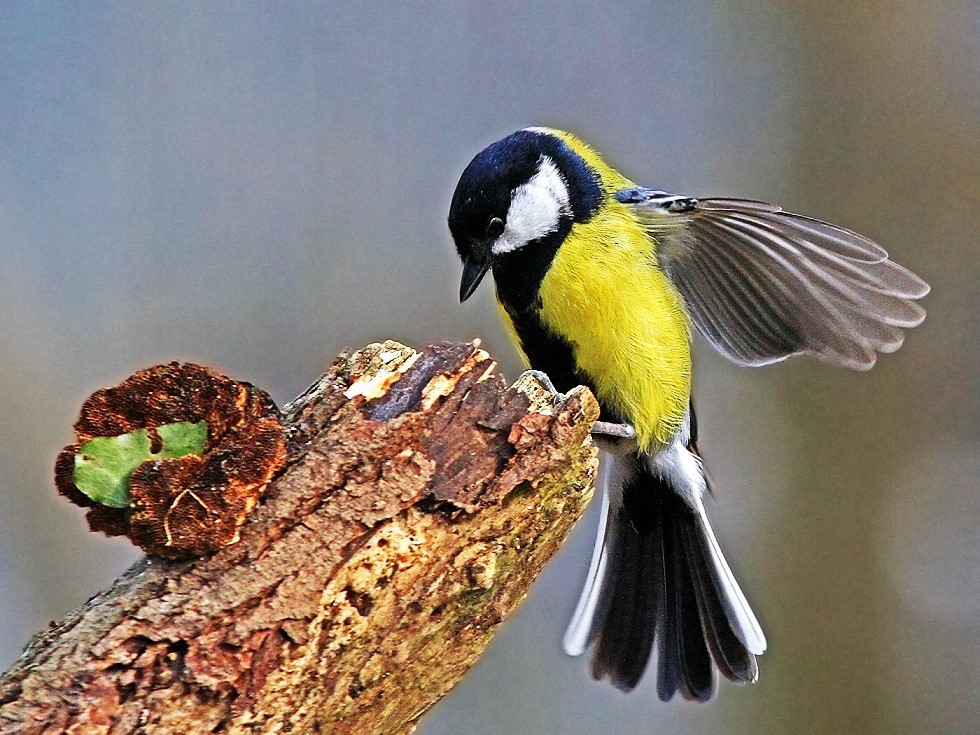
256 186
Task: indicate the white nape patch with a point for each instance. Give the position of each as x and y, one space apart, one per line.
535 209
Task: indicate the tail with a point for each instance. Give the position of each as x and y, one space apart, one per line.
658 573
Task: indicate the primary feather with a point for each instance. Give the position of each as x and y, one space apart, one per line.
762 284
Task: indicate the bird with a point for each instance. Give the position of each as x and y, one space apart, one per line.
602 282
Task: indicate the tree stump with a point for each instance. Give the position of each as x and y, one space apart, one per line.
421 498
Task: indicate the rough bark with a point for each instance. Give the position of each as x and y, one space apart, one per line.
421 499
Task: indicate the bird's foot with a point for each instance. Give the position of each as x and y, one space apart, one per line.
600 428
556 396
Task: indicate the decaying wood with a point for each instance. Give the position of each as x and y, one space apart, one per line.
421 499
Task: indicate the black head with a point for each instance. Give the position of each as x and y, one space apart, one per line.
516 202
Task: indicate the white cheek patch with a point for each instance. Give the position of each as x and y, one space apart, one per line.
536 208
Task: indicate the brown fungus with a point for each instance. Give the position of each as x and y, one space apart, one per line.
191 505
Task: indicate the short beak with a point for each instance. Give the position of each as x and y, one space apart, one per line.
473 273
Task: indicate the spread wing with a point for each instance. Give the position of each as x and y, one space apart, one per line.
762 284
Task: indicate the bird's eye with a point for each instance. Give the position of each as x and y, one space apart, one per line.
496 228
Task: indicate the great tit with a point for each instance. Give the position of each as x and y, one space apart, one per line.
599 282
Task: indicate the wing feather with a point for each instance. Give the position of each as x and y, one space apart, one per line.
851 311
762 284
770 333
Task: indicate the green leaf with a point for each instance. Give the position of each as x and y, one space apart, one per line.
104 465
183 438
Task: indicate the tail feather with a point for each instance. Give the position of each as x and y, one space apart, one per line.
730 655
740 616
587 618
668 637
658 575
695 680
624 643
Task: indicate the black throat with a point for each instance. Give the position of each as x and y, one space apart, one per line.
519 273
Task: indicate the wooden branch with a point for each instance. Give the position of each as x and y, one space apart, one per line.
421 499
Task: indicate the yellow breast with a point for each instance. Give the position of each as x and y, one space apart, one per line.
625 321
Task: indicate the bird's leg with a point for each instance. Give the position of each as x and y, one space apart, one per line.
617 439
616 431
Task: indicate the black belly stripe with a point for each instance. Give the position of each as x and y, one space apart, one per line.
553 355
